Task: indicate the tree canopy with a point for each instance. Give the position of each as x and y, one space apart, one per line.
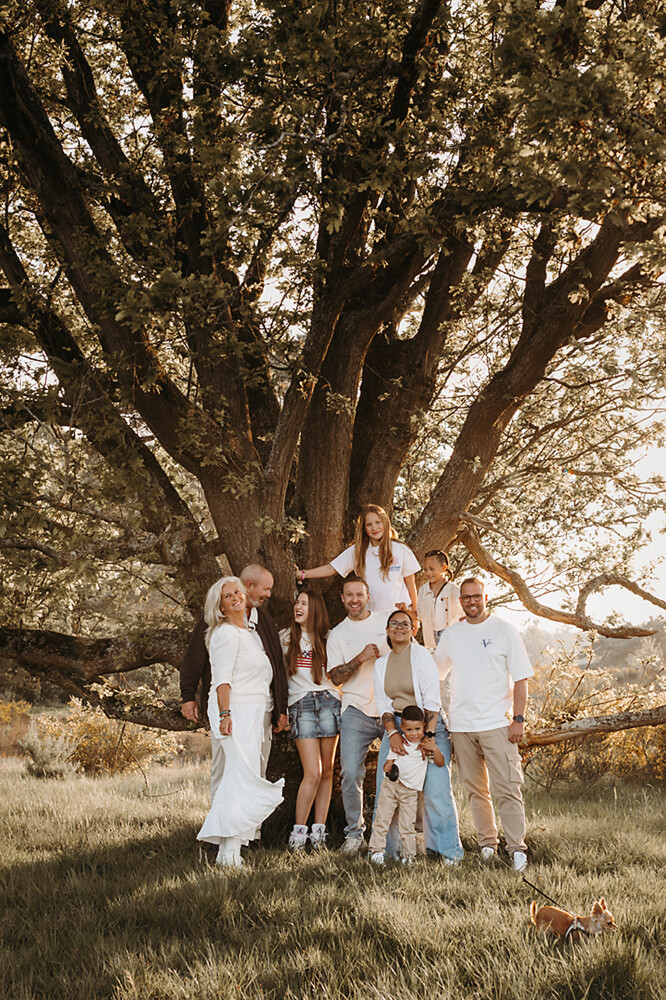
266 262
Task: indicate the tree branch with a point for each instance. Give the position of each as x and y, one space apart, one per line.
469 538
580 728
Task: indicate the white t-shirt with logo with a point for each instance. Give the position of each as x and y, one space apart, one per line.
385 593
346 641
485 660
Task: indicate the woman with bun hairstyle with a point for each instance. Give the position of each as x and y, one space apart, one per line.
314 714
387 565
238 701
438 599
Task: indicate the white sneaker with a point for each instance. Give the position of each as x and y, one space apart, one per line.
298 838
377 857
519 861
318 835
489 853
407 861
450 861
352 845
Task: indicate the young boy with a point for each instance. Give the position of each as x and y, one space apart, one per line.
405 777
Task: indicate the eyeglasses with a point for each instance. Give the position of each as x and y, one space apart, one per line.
403 626
470 597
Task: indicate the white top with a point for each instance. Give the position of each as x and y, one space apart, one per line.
302 682
425 678
412 767
385 594
484 660
437 613
344 642
237 660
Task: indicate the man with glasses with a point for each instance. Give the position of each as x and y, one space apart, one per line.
489 669
351 650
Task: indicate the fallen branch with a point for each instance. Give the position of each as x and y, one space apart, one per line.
591 726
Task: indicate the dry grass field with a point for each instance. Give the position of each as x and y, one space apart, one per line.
104 896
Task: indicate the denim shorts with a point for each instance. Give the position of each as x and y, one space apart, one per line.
315 716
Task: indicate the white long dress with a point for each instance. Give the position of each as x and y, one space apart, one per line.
243 799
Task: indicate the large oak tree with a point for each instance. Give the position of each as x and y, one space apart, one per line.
265 262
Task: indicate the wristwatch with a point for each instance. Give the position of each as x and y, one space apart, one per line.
518 718
429 735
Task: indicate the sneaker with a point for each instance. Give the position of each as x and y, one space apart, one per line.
298 838
519 861
377 857
407 861
352 845
489 853
318 835
449 861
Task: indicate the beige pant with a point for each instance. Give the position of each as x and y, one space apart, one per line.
490 757
394 795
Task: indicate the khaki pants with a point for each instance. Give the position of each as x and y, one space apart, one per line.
394 795
489 758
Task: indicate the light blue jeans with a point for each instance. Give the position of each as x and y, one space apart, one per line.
440 816
357 731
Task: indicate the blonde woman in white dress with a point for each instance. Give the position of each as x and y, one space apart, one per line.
239 699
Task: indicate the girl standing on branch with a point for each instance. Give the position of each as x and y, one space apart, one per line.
387 565
438 600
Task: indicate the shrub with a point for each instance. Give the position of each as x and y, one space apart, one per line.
571 688
100 744
50 754
12 710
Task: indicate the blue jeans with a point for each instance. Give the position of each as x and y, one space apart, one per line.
440 817
357 731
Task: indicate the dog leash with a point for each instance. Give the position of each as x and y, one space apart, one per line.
531 884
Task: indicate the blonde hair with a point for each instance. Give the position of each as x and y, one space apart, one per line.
361 541
213 614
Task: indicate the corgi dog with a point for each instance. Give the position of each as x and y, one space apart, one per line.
552 920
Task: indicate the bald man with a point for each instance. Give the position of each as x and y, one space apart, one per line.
195 668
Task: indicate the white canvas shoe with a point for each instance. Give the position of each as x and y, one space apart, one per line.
377 857
488 853
519 861
352 845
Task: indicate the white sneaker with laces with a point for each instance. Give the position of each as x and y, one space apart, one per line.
519 861
488 853
377 857
318 835
298 838
352 845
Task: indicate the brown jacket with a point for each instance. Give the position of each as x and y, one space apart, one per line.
195 667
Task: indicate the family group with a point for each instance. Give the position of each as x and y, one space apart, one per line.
366 679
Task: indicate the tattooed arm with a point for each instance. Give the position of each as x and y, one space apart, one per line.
340 674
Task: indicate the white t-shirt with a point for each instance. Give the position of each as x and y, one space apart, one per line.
437 613
384 593
302 682
344 642
412 766
484 660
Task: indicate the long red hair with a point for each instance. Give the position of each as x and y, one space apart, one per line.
317 627
361 541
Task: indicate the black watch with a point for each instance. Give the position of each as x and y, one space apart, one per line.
428 735
518 718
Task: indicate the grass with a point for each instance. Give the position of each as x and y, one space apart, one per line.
104 896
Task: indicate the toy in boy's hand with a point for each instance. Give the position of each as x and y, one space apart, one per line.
552 920
392 772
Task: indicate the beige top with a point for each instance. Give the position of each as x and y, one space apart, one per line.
398 682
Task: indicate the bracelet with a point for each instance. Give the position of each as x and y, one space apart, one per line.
302 572
394 732
224 712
